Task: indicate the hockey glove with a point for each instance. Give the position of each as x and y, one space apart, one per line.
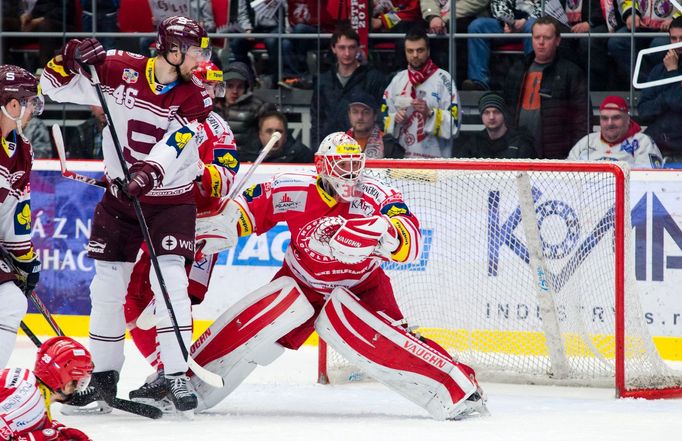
28 274
217 230
359 238
77 53
143 177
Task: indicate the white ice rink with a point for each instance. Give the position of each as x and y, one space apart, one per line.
282 402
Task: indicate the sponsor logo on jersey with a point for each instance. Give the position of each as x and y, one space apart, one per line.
372 191
169 243
95 247
22 218
360 206
179 139
289 201
395 209
208 102
134 55
253 192
226 158
9 147
130 76
215 125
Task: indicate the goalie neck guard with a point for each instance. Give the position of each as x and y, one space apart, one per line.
340 162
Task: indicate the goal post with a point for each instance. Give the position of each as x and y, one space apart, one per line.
526 273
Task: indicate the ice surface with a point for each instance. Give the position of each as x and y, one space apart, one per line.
282 402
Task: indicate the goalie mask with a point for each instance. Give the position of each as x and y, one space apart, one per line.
340 162
61 361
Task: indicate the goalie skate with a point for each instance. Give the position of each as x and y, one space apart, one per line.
154 393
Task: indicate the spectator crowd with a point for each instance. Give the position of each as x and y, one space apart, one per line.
401 97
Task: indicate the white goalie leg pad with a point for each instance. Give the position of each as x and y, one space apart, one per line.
394 357
246 335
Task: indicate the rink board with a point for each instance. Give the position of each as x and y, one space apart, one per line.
62 211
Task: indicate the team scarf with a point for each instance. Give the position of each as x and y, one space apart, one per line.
374 149
417 77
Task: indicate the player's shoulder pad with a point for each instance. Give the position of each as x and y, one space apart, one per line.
195 103
11 378
377 191
290 181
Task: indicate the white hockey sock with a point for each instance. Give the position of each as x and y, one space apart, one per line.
107 321
175 276
13 309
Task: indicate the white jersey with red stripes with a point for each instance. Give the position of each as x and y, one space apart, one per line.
22 406
300 200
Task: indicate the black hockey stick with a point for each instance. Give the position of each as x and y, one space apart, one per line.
205 375
31 335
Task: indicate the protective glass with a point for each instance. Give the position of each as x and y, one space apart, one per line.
37 102
201 54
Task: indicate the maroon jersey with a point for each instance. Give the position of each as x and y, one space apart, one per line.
16 159
154 122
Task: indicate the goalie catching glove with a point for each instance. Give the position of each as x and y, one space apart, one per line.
353 240
217 230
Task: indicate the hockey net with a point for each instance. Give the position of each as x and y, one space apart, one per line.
525 274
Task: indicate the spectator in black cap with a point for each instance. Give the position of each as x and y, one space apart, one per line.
362 114
241 107
496 140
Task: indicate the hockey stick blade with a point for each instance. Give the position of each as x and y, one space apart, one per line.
141 409
61 152
208 377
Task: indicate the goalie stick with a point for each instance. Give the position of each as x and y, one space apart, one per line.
61 152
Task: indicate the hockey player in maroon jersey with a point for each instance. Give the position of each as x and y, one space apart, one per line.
62 367
219 155
20 99
159 112
343 225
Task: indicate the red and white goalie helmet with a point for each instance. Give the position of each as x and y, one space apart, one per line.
60 361
211 76
340 162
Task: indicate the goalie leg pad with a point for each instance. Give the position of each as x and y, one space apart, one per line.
246 335
394 357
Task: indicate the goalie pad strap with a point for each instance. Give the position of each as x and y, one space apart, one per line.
393 356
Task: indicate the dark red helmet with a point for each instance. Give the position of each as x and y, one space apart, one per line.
61 360
212 76
182 32
18 83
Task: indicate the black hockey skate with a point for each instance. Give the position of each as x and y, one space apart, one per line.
153 389
95 397
180 392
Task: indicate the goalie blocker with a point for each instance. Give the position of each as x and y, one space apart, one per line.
246 335
422 373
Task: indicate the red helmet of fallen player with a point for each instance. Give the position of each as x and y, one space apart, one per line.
62 360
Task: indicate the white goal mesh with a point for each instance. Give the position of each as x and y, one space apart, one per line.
524 301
